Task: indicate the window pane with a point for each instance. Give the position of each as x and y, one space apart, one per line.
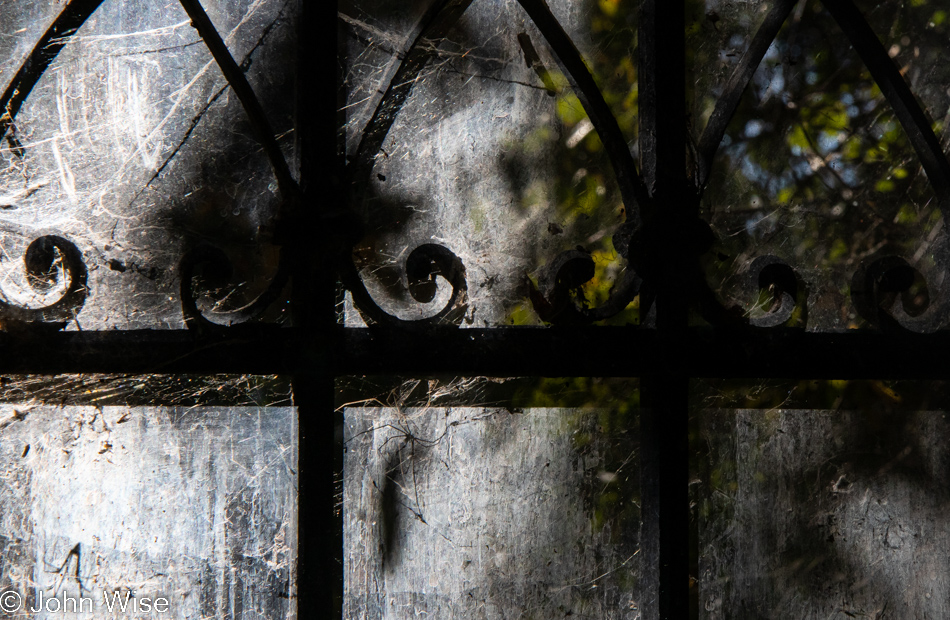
195 505
132 148
815 174
492 156
813 512
523 500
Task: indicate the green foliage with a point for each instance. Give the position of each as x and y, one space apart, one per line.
587 203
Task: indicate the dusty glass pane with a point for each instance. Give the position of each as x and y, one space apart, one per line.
522 502
23 24
191 510
816 172
492 157
134 151
837 510
717 35
915 32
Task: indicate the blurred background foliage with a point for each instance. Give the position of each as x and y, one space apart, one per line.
587 203
814 167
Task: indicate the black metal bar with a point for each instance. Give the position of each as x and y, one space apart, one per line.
253 350
319 588
71 19
646 95
502 352
898 94
664 539
668 266
631 352
631 186
732 92
238 82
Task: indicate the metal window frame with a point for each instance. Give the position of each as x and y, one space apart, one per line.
318 232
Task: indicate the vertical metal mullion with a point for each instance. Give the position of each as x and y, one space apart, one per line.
664 502
664 428
309 240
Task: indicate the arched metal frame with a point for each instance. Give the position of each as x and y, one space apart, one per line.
662 240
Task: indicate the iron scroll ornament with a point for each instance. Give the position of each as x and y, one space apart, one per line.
423 265
553 300
72 17
893 296
48 260
206 267
785 292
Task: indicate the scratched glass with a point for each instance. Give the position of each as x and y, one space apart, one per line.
180 488
519 496
23 24
132 148
820 498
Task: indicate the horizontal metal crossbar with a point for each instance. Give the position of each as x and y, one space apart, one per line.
618 351
509 351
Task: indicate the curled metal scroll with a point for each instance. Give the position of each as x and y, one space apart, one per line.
205 268
564 275
771 275
558 291
423 266
48 260
46 254
892 295
560 280
435 24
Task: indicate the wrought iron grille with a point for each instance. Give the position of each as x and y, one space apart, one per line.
686 329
